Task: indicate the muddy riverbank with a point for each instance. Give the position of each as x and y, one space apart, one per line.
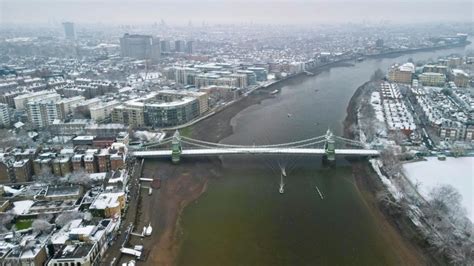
182 184
398 230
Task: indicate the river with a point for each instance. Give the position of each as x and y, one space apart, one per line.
242 219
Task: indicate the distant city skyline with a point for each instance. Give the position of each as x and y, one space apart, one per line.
234 11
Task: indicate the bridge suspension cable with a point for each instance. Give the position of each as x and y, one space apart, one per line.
197 144
212 144
308 144
244 147
158 143
350 141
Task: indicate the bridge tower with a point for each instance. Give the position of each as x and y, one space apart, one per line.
176 147
330 146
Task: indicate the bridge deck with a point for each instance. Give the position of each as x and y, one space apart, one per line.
235 151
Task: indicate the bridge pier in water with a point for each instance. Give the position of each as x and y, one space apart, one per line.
330 147
176 148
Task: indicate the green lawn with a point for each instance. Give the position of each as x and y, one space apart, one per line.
186 132
23 224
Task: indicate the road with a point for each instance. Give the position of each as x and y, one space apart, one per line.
422 126
129 217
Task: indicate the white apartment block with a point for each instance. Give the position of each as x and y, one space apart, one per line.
22 100
67 105
4 115
43 112
103 110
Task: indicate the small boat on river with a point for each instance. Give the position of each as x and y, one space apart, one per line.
320 194
282 185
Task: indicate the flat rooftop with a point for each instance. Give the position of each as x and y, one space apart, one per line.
84 138
62 190
73 251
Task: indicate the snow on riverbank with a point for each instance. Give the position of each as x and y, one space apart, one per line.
457 172
396 193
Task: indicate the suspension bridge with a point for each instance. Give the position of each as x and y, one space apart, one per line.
321 145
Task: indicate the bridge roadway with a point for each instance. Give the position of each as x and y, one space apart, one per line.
253 151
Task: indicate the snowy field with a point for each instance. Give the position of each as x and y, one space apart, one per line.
458 172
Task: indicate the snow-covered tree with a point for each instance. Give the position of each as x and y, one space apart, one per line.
391 162
377 75
47 177
398 137
66 217
7 139
41 226
87 216
79 178
45 216
458 150
452 233
445 198
26 141
5 219
367 118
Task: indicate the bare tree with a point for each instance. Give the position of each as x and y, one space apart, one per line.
45 216
87 216
391 162
445 199
367 118
377 75
458 150
47 177
41 226
5 219
79 177
366 109
24 140
66 217
386 199
7 139
452 233
398 137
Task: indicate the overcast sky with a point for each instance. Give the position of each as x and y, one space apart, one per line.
235 11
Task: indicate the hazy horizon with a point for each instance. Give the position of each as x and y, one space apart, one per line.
234 11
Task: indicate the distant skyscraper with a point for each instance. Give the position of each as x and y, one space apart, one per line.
163 23
189 47
165 46
69 31
140 46
179 46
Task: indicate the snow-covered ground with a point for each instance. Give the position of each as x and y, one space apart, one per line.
457 172
11 190
22 206
149 136
385 180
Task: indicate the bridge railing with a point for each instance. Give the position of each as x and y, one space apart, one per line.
315 142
